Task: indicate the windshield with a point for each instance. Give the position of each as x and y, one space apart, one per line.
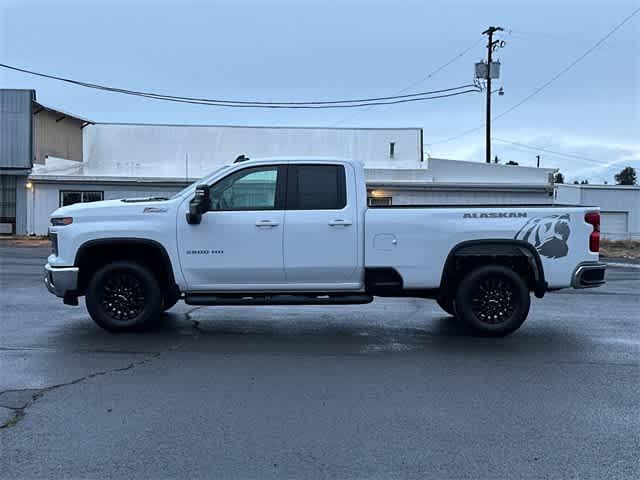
204 179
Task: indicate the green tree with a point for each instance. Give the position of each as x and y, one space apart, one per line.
558 178
584 182
627 176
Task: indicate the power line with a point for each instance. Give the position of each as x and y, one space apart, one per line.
551 152
418 82
361 102
285 106
550 81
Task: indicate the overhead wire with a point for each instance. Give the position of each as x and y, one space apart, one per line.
418 82
548 82
342 103
546 150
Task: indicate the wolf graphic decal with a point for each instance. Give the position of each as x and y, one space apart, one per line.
548 234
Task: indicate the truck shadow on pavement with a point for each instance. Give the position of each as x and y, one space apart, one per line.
246 330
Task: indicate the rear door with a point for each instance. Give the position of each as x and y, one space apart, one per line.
320 234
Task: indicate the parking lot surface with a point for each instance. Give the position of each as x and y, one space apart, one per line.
394 389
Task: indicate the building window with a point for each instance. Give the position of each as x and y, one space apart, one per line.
68 197
379 201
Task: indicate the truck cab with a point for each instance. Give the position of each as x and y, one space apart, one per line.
247 235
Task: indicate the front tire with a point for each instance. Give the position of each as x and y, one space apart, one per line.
493 300
123 296
170 298
446 304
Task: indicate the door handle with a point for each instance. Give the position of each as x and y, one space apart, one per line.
266 223
338 222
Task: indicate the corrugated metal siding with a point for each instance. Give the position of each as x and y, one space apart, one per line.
21 205
61 138
15 128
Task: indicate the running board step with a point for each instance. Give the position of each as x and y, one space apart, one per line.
264 299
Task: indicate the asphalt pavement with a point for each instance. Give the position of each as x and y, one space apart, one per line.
394 389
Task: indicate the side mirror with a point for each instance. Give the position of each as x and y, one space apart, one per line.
198 205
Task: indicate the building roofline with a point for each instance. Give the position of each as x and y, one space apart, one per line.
599 186
494 165
461 186
17 90
61 112
311 127
84 179
416 185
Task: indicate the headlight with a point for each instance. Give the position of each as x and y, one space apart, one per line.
54 243
59 221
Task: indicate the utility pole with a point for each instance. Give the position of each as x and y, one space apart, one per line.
538 158
491 44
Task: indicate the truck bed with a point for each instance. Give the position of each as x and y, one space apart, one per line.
416 240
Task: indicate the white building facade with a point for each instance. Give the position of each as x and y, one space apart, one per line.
619 207
127 160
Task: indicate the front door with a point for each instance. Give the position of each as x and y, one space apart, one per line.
238 244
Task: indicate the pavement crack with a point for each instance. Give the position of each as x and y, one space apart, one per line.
195 324
30 396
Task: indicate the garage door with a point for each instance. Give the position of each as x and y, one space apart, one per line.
613 225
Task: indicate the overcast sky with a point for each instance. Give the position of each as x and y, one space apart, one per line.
306 50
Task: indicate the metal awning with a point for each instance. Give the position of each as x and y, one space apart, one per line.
61 115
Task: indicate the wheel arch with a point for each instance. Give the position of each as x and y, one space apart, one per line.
147 252
477 252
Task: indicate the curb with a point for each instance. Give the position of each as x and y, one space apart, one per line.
622 265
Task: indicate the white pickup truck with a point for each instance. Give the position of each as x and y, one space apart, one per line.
298 231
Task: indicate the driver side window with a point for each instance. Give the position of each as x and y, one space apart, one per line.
248 189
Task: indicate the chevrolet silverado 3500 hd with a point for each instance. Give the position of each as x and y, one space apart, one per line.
298 231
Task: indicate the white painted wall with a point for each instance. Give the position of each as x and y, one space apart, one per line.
458 195
612 200
44 198
193 151
444 171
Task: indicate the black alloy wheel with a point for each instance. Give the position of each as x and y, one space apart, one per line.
493 300
124 296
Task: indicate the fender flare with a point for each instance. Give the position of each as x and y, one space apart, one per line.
110 241
499 247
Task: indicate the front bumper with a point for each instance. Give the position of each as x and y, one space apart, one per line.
589 275
61 281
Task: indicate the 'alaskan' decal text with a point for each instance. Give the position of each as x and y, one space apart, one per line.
496 215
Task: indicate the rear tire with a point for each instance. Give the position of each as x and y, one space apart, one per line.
446 304
493 300
123 296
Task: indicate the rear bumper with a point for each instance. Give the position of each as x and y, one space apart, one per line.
61 281
589 275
